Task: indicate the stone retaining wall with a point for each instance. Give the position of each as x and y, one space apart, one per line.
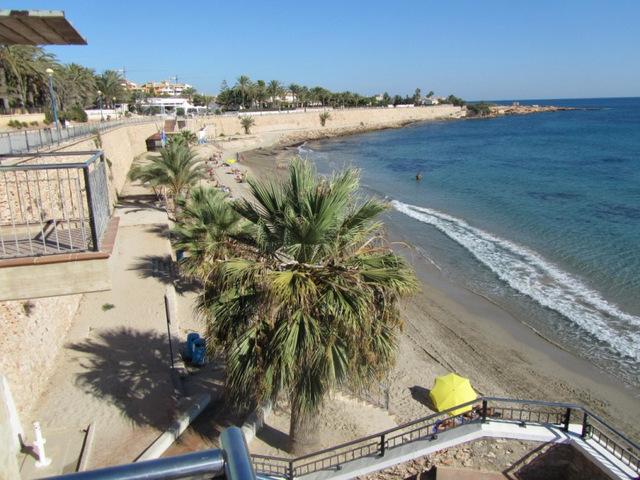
228 125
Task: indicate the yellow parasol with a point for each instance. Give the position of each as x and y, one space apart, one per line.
231 160
452 390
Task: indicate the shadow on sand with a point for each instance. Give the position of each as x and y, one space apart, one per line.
421 395
130 369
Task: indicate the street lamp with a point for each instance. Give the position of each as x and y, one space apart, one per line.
100 101
49 72
115 112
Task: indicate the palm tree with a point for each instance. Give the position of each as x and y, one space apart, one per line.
295 89
243 83
309 303
176 170
324 116
75 85
259 92
110 84
274 90
247 122
22 67
188 93
205 224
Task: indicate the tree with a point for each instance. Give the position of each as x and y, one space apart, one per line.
295 90
176 169
259 93
188 93
243 84
275 90
205 224
309 300
247 122
324 116
416 96
110 84
75 85
22 69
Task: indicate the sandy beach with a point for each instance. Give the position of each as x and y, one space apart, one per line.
447 328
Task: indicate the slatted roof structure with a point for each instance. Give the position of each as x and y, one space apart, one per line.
37 27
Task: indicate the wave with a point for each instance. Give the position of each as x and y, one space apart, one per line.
304 148
530 274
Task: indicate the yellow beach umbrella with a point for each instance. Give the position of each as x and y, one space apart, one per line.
452 390
230 160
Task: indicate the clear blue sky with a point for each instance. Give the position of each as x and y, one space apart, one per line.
474 49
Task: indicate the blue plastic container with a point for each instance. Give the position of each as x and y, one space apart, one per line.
188 351
199 352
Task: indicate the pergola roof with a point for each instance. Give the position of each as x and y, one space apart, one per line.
37 27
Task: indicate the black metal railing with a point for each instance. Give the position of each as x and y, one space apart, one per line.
51 205
521 412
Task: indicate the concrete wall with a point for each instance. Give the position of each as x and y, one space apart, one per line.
340 119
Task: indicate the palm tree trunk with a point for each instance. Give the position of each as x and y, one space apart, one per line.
303 430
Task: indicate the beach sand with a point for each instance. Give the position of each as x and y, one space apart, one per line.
447 328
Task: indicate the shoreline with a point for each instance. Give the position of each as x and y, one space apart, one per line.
502 356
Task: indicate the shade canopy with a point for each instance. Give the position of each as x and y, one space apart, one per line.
450 391
37 27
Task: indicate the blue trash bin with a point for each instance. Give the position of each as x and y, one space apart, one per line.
188 351
199 352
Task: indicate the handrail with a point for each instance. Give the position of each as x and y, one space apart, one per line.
415 430
232 459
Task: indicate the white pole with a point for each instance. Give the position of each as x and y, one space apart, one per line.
43 461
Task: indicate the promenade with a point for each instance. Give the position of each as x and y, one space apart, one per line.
113 374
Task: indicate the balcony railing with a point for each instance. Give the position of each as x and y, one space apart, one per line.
50 205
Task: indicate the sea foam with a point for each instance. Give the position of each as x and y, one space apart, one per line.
530 274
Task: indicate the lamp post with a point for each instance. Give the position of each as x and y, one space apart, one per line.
115 112
100 102
49 72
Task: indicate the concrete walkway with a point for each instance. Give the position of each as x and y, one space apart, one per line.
114 371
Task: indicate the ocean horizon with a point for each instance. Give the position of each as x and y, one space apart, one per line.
538 213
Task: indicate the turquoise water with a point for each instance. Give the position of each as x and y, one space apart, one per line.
539 213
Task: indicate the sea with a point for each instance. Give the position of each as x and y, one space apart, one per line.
538 213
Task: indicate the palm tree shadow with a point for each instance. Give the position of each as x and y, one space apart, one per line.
273 437
421 394
130 369
164 269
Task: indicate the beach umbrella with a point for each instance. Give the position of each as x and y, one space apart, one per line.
451 390
230 160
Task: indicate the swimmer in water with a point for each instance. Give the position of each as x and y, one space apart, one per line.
418 176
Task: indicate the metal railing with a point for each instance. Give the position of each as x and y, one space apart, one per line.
49 205
521 412
35 139
232 461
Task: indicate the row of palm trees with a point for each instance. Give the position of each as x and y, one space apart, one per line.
24 81
298 286
247 94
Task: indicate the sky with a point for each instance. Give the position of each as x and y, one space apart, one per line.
473 49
